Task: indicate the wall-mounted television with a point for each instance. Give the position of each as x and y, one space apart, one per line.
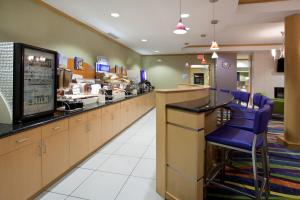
280 65
102 67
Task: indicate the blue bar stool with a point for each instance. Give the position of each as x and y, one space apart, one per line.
231 138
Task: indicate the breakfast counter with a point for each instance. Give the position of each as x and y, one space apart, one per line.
11 129
45 149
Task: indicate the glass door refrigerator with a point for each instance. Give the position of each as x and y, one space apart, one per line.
33 71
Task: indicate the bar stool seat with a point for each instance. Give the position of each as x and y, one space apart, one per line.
234 137
241 123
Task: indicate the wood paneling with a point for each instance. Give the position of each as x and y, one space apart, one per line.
87 72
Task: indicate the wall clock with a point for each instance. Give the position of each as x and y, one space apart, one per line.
226 65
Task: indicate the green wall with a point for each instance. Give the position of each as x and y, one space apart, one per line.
33 23
169 72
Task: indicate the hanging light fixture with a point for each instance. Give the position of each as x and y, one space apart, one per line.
214 55
180 27
214 45
274 53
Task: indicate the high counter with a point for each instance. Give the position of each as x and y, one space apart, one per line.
184 116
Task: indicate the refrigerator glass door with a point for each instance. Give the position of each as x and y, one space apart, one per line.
39 81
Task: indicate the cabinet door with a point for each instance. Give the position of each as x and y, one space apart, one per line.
55 146
20 165
125 121
94 130
78 138
107 123
116 118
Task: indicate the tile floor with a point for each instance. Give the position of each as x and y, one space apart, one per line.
124 169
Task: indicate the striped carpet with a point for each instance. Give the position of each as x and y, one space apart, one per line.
285 171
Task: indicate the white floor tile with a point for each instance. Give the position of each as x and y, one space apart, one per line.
150 153
141 140
51 196
70 182
110 148
119 164
146 169
101 186
95 161
135 150
75 198
139 189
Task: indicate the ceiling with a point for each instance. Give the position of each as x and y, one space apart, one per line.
241 27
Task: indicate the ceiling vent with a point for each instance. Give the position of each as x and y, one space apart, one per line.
113 36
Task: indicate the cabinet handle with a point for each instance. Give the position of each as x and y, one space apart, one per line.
22 140
40 148
56 128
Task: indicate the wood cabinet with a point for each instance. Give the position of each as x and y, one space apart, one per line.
55 150
124 112
31 160
94 129
78 138
107 122
116 118
20 165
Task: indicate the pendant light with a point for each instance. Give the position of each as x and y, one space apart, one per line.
180 27
214 55
214 45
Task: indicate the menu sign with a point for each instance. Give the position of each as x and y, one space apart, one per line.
39 72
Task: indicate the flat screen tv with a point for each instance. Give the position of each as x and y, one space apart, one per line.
280 65
100 67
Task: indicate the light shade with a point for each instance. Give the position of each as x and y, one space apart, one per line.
274 53
214 55
214 46
180 28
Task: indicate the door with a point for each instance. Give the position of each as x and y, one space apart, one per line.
20 165
94 130
78 138
55 146
107 123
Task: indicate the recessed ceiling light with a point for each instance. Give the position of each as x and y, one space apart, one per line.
156 51
185 15
115 15
159 60
144 40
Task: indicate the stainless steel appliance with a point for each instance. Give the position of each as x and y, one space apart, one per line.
27 82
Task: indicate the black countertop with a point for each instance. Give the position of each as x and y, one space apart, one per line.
215 100
11 129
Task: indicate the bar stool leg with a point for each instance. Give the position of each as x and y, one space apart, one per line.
205 172
265 170
255 179
267 165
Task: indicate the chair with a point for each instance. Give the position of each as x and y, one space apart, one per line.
249 114
232 138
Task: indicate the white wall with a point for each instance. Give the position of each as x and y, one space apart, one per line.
264 75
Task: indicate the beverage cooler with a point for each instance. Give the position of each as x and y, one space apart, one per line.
27 82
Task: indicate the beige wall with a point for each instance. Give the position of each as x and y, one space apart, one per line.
264 75
31 22
169 72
